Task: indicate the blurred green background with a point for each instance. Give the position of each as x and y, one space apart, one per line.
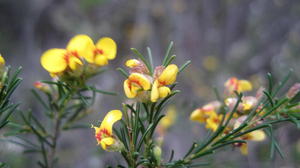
223 38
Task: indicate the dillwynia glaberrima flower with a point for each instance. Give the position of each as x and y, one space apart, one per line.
104 133
257 135
2 65
234 84
80 48
141 84
167 77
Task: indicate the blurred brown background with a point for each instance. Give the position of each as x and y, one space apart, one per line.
223 38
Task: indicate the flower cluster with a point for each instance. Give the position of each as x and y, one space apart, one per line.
145 86
210 114
81 57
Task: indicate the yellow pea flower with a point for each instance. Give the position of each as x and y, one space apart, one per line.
2 61
167 121
257 135
104 50
234 84
104 133
203 113
136 82
58 60
132 63
213 121
167 77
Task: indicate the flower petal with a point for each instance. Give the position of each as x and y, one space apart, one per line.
257 135
74 63
101 60
140 80
244 85
154 92
53 60
106 142
109 120
83 45
108 46
129 91
169 75
2 61
132 63
244 149
164 91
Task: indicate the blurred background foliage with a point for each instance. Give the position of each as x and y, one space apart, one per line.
223 38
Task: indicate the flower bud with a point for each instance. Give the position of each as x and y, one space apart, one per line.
293 90
157 153
42 87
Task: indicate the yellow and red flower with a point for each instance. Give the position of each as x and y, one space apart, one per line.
104 50
203 113
234 84
80 47
167 77
104 133
135 84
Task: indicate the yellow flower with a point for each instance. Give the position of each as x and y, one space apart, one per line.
247 103
234 84
203 113
257 135
132 63
136 82
213 121
58 60
2 61
105 49
104 133
168 120
167 77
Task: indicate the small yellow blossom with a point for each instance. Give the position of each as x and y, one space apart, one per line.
2 61
247 103
257 135
167 77
167 121
135 83
104 50
104 133
214 121
132 63
42 87
203 113
58 60
234 84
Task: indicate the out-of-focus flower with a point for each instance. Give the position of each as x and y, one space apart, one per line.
104 50
167 77
203 113
257 135
210 63
42 87
136 83
213 121
2 61
104 134
247 103
234 84
167 121
59 60
293 90
2 67
137 66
